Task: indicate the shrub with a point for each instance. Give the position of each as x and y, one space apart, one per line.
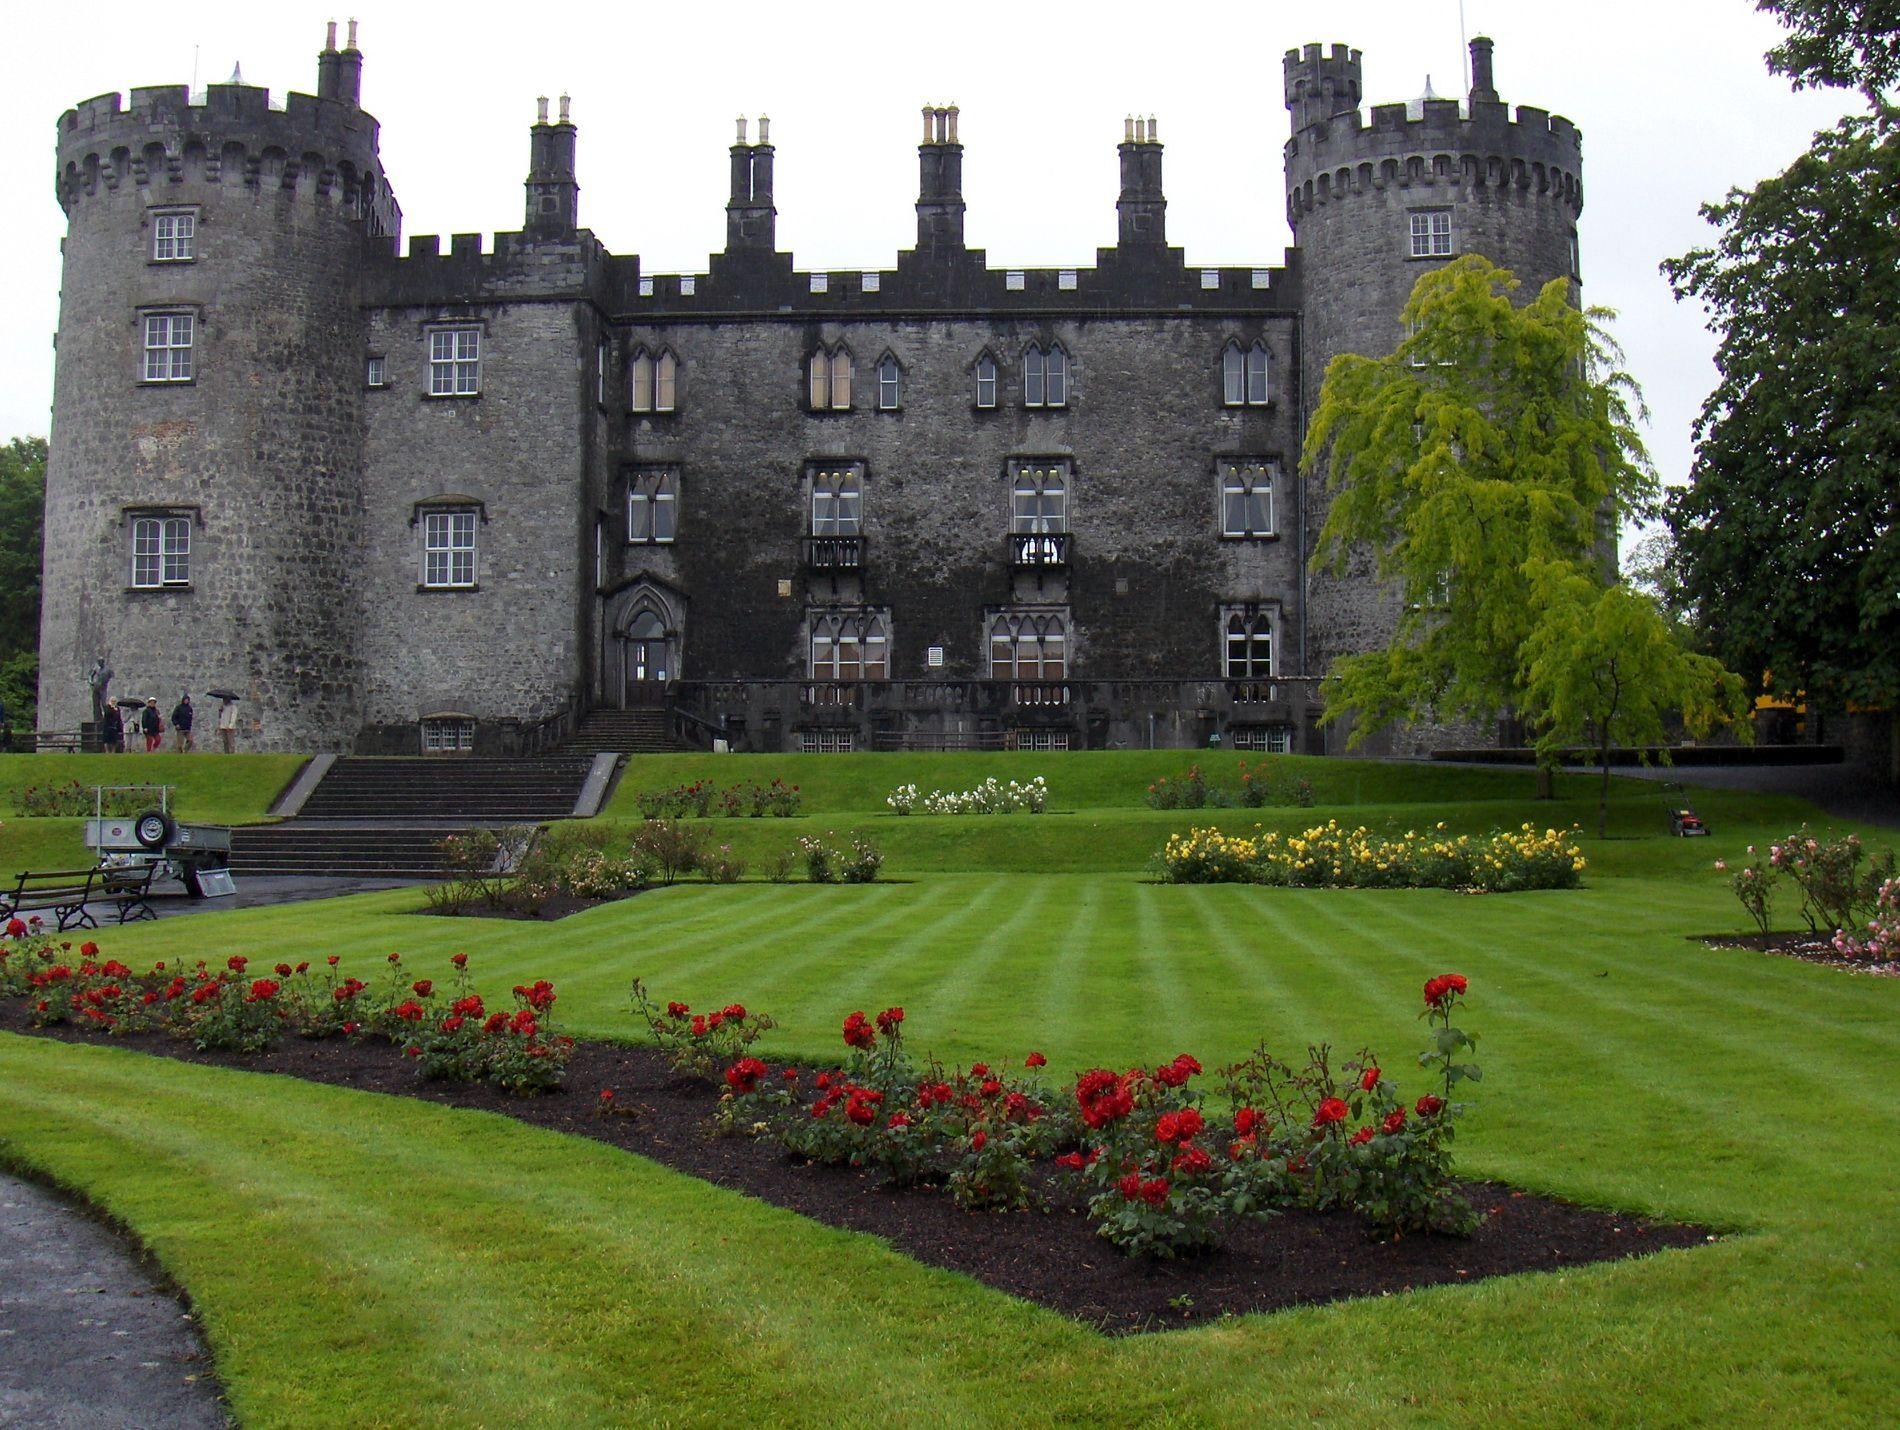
1879 940
73 800
229 1011
1835 890
699 1044
821 860
862 864
990 797
1754 886
702 799
720 867
670 847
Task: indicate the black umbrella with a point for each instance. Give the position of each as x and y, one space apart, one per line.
129 702
223 695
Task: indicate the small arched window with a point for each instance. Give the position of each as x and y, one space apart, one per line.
1249 638
889 384
850 645
1045 376
652 506
652 381
1244 375
1039 500
837 502
828 380
1028 646
986 379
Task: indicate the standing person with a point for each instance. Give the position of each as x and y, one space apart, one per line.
152 723
99 679
181 725
227 725
112 731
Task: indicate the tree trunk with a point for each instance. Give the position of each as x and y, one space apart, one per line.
1603 795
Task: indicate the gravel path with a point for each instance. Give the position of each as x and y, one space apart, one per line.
88 1338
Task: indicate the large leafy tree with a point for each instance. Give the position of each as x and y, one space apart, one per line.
1847 44
1788 531
1497 435
1603 667
22 520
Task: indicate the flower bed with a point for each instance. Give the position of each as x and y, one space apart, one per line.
1330 856
635 1100
447 1032
705 800
990 797
1254 786
1848 896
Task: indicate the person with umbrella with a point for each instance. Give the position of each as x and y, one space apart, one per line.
181 724
227 719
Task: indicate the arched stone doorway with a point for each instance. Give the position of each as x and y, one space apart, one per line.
644 656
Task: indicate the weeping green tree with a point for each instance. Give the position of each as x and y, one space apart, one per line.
1497 436
1603 667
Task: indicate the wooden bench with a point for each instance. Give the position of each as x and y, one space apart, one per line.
65 893
69 742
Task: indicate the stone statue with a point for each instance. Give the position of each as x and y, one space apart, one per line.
99 679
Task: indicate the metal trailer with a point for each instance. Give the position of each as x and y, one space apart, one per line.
197 855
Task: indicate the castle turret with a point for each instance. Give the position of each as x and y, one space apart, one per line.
1142 209
940 204
751 217
204 480
1374 204
554 195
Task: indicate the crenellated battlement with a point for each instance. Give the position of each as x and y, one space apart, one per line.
232 134
1476 144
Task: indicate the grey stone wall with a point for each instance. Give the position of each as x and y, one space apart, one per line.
260 449
511 648
1143 429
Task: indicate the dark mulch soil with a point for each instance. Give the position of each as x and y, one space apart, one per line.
1052 1258
558 907
1808 947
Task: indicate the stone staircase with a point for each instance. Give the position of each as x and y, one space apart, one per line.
387 818
630 732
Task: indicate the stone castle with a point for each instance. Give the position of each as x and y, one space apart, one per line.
423 498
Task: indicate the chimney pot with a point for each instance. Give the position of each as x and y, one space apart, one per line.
765 129
352 34
329 36
541 109
741 135
564 103
952 112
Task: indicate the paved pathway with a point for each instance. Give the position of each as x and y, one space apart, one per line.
88 1339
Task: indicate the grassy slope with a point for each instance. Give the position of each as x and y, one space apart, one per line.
1624 1066
218 789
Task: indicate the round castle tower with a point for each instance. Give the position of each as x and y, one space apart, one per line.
203 487
1372 206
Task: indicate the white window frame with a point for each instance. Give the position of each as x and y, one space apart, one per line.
168 347
447 734
376 371
1250 479
989 374
1261 739
653 506
828 379
837 501
1431 233
827 742
455 362
890 384
1045 376
161 551
449 547
1039 498
174 235
1259 627
1024 644
653 380
849 645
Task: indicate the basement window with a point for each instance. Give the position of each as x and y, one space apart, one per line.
448 734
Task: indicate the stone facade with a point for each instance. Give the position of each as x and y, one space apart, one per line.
324 440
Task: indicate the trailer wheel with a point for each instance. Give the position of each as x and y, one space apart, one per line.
153 829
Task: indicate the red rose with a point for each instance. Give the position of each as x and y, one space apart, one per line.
16 929
734 1012
331 960
1072 1160
1192 1161
979 1139
283 970
1394 1121
395 958
888 1020
857 1032
1130 1187
1361 1137
899 1120
699 1026
1428 1106
469 1007
1178 1126
606 1094
89 949
1330 1111
304 967
412 1051
677 1010
744 1075
979 1069
460 960
424 987
860 1111
409 1011
1369 1079
1187 1064
991 1087
1439 990
263 990
236 962
1155 1192
497 1023
1248 1122
453 1023
1035 1060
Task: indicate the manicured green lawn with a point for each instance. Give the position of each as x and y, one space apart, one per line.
396 1262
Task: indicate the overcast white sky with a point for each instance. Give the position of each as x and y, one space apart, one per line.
1671 95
